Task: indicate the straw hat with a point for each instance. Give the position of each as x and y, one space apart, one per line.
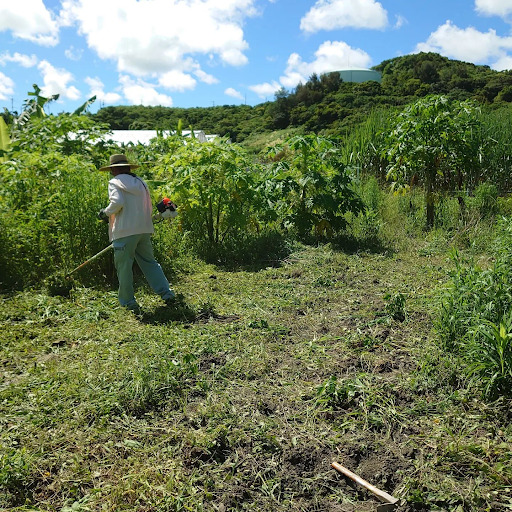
118 161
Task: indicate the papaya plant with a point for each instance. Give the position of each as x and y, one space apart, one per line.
34 107
435 140
214 187
312 189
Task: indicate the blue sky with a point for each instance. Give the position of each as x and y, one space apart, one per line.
200 53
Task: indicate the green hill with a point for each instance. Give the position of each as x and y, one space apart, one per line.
327 105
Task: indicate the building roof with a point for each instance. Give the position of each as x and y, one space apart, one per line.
135 137
360 75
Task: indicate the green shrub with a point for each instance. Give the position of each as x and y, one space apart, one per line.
312 191
214 188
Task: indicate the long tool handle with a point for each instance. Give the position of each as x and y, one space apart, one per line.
382 495
91 259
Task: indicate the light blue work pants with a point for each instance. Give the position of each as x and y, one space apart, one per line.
140 249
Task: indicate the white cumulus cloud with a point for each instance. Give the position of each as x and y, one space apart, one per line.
266 89
97 89
468 44
230 91
152 37
73 53
56 81
6 87
330 56
26 61
30 20
501 8
139 92
400 21
205 77
336 14
503 63
176 80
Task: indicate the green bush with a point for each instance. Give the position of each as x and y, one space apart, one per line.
215 189
312 191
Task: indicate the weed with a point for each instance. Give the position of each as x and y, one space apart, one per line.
491 356
395 306
206 310
15 470
485 200
58 284
339 395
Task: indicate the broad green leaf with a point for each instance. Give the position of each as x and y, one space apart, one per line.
5 140
82 108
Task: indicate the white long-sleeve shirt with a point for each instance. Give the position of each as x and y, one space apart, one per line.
130 209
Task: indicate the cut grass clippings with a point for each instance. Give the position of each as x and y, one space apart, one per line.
241 397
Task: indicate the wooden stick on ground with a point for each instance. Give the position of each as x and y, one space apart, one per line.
381 495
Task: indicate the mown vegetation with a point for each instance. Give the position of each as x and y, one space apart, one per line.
343 295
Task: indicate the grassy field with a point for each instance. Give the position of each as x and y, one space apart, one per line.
242 396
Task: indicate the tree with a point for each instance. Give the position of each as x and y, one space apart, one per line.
67 133
5 140
281 110
426 71
435 140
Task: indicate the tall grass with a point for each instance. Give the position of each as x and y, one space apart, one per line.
362 148
50 194
367 225
48 216
491 355
497 154
475 315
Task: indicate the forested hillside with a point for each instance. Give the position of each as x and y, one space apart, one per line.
325 104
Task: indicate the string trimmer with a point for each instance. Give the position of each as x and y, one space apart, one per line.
92 258
166 210
61 284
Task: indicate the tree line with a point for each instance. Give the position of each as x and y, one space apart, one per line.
325 104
